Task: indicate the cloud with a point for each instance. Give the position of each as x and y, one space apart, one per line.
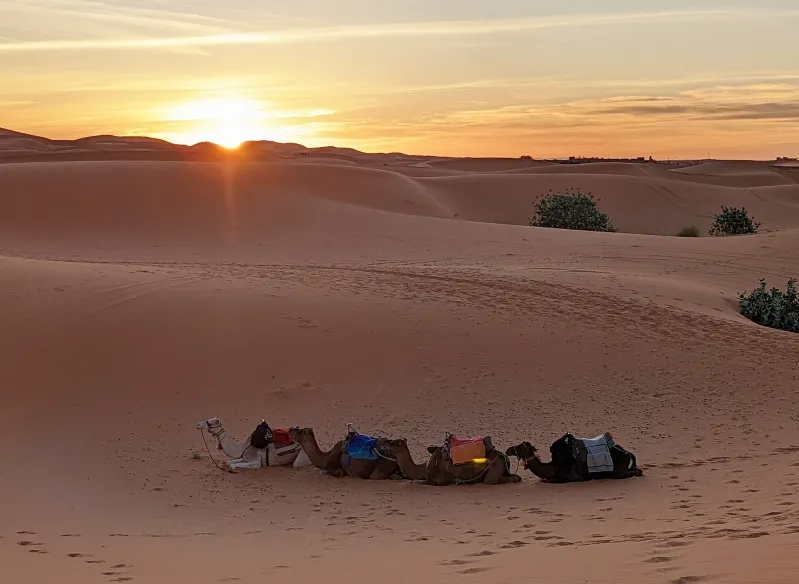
749 105
101 12
384 30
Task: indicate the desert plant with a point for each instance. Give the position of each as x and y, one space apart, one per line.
691 231
733 221
772 308
570 210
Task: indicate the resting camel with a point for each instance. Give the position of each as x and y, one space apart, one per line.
624 466
337 463
399 450
244 456
495 470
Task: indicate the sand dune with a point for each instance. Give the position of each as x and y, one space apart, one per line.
142 296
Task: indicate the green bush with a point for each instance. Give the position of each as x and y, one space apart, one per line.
691 231
772 308
733 221
570 210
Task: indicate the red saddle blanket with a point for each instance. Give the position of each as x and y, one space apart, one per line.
462 450
281 438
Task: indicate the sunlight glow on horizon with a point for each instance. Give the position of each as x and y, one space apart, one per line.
231 121
672 79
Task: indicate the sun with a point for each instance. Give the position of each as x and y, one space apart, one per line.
224 121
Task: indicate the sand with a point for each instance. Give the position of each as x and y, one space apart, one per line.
406 295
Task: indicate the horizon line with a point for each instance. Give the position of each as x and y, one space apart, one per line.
333 146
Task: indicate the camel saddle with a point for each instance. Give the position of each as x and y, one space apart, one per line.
263 436
360 446
463 450
592 453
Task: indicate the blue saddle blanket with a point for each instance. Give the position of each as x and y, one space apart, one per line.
361 447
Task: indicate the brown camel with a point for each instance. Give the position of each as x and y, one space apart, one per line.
495 470
398 449
337 463
624 466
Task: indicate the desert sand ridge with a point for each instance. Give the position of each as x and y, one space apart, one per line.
140 296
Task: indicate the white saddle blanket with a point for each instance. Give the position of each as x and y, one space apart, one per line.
598 456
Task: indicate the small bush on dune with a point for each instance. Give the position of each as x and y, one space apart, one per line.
691 231
570 210
772 308
733 221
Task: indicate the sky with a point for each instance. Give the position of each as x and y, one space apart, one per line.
669 79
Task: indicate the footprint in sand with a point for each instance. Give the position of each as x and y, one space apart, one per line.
659 559
688 579
456 562
483 553
31 544
474 570
515 544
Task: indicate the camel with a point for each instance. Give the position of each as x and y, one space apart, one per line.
336 462
244 456
624 466
493 470
399 450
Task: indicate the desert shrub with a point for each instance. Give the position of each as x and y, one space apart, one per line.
570 210
733 221
691 231
772 308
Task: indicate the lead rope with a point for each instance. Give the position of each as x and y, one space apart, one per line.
212 456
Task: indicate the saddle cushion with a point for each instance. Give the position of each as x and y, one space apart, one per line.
361 447
282 438
462 450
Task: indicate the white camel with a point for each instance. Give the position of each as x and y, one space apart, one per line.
244 456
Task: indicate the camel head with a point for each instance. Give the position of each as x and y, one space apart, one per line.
523 451
301 434
209 424
392 446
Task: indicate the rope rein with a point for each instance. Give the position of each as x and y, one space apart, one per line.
211 456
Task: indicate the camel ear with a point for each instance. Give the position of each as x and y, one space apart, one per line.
432 449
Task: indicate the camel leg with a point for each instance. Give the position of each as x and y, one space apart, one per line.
495 472
511 478
379 474
255 464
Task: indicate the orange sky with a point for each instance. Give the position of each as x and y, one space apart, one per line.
677 79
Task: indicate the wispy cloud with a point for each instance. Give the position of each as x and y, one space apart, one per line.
788 110
413 29
101 12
